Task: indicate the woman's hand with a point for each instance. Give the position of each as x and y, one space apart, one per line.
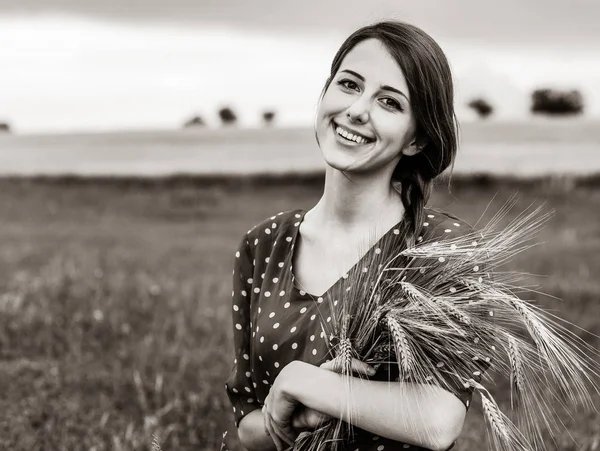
279 406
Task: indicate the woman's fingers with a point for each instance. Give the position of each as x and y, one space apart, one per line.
287 436
276 440
356 366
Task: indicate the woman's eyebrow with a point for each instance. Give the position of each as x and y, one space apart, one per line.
384 87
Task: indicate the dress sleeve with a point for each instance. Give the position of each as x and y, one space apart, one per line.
239 386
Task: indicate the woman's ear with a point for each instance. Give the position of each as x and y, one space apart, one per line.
412 149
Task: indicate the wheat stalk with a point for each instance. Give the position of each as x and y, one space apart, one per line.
418 315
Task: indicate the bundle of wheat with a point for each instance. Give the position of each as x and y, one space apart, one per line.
434 311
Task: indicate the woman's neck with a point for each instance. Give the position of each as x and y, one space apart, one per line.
356 203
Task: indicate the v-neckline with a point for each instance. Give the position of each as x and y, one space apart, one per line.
306 295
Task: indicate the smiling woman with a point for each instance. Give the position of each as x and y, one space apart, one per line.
386 128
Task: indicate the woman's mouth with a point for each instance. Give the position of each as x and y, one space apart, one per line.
349 138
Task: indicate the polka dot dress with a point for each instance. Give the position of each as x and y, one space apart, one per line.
275 322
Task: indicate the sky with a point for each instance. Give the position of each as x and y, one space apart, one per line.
79 65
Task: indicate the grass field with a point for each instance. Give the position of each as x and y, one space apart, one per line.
115 302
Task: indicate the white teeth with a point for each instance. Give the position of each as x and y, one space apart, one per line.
350 136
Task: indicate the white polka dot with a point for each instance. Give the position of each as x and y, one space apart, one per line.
476 268
237 254
268 231
322 334
491 313
476 373
275 346
303 309
474 243
297 215
294 345
238 326
296 224
236 308
248 389
260 358
442 259
453 247
314 352
452 290
293 329
430 216
262 339
266 382
364 270
380 448
273 226
250 280
275 326
289 239
425 224
375 437
406 445
328 318
234 390
280 264
319 300
335 302
312 338
262 276
244 293
302 292
257 290
420 239
248 374
275 279
448 230
440 364
256 241
345 276
267 294
234 409
276 364
467 403
456 224
378 251
259 309
271 315
286 305
396 232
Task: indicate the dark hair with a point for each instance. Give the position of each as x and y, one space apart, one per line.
431 91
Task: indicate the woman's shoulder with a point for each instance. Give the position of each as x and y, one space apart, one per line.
440 224
274 225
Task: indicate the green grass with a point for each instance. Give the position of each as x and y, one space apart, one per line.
115 300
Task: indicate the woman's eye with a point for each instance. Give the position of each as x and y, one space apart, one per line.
391 103
348 84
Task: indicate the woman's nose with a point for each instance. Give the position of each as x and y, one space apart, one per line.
358 112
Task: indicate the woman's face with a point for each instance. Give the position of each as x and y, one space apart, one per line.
365 121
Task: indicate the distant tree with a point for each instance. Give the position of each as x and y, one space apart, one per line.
482 107
4 127
195 121
268 117
227 116
556 103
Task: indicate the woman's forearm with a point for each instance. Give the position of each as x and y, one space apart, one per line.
419 414
252 433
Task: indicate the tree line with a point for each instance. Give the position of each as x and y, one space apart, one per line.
548 102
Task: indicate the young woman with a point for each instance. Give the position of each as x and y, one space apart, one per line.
386 127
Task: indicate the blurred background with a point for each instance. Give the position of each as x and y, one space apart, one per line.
140 140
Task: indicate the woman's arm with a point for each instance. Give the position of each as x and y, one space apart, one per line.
252 433
420 414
